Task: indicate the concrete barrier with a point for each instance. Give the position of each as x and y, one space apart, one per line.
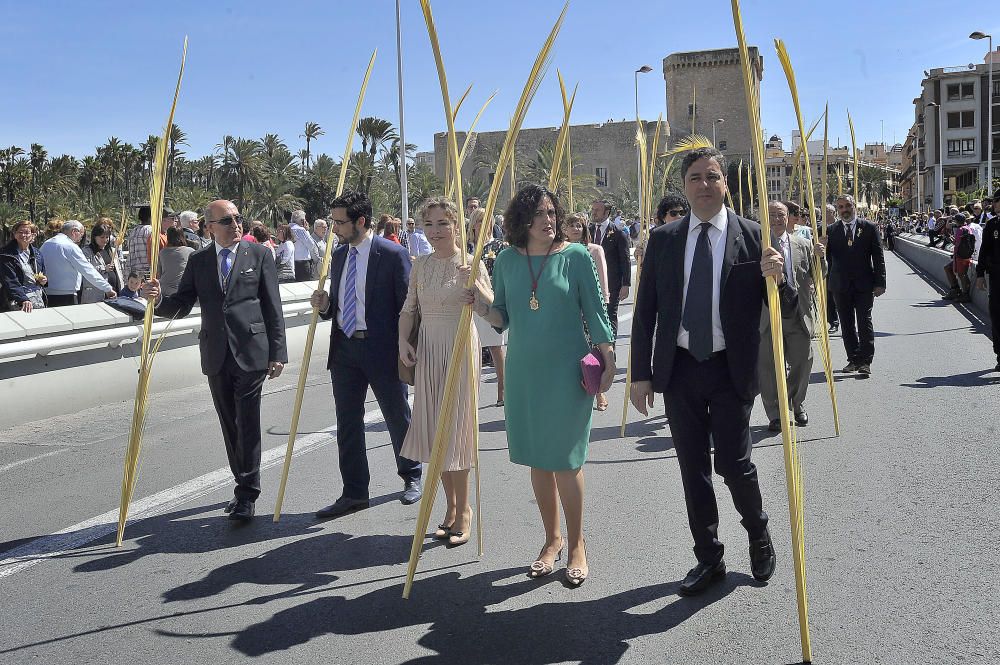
931 261
62 360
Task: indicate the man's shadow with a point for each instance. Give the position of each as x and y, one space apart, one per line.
966 380
464 628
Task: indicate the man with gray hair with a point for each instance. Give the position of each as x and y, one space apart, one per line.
190 226
306 252
66 267
857 277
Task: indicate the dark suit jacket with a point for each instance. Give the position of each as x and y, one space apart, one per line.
860 266
615 245
989 251
247 318
14 283
660 294
385 292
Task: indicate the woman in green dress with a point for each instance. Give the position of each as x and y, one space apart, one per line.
541 284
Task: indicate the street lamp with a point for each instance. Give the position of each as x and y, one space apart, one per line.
989 120
939 187
404 195
645 69
718 121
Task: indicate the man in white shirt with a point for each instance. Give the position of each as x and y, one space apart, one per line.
418 244
66 267
306 252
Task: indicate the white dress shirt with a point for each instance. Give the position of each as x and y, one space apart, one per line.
602 231
305 246
218 261
717 236
364 251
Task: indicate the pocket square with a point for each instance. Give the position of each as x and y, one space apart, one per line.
247 271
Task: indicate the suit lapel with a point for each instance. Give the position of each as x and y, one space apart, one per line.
373 259
336 270
679 250
734 233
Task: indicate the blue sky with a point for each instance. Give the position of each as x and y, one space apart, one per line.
76 73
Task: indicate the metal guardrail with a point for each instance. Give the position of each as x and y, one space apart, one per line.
117 337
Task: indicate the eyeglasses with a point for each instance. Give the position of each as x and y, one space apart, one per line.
337 222
676 212
230 220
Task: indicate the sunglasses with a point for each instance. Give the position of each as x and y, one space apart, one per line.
230 220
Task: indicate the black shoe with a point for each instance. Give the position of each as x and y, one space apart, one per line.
342 506
801 417
242 511
774 425
230 506
762 559
865 370
411 492
834 327
701 577
850 368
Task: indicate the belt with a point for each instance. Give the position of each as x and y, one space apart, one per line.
711 356
358 334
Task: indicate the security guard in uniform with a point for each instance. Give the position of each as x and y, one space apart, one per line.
989 262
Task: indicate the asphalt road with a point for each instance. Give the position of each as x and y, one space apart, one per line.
901 511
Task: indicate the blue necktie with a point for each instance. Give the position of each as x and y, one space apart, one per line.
697 317
351 293
227 264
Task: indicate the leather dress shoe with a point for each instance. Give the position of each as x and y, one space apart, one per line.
342 506
762 559
865 370
774 425
243 511
801 417
850 368
834 327
230 506
411 492
701 577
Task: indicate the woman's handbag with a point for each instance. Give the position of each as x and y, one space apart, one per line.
408 375
592 367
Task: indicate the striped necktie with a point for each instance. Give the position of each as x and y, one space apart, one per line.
227 264
351 293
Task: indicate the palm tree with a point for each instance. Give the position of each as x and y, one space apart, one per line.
241 167
313 131
375 134
37 159
177 137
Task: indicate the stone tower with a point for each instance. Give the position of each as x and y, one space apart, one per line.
704 86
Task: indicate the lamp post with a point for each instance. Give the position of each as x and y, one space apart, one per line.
645 69
989 112
404 195
718 121
939 186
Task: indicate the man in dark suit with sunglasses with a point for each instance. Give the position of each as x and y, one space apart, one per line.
242 338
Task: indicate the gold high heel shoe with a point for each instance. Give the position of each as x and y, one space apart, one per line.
577 576
541 568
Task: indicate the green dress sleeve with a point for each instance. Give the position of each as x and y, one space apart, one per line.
588 289
499 290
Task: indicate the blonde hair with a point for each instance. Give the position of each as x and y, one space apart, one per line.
447 206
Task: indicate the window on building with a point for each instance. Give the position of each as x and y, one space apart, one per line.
961 119
953 92
968 146
722 145
954 148
996 89
601 176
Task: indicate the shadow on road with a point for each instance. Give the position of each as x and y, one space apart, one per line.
966 380
463 628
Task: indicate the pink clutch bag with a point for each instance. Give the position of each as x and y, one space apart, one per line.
592 366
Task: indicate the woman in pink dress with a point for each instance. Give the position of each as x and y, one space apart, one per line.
577 229
436 295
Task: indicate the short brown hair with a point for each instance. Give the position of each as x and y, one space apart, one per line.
521 211
582 218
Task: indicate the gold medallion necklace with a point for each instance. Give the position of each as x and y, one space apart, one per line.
533 301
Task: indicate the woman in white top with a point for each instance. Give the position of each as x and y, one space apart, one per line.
577 229
284 254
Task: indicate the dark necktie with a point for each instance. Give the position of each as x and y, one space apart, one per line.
697 317
227 264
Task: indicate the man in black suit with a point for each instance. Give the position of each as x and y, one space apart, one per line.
242 338
615 243
857 277
700 298
989 263
369 276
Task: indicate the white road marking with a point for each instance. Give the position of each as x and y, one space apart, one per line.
78 535
14 465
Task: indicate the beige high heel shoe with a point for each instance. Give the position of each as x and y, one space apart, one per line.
541 567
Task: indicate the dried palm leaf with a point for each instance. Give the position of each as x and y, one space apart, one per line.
789 447
854 158
560 148
157 187
460 346
324 270
691 142
817 267
567 107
